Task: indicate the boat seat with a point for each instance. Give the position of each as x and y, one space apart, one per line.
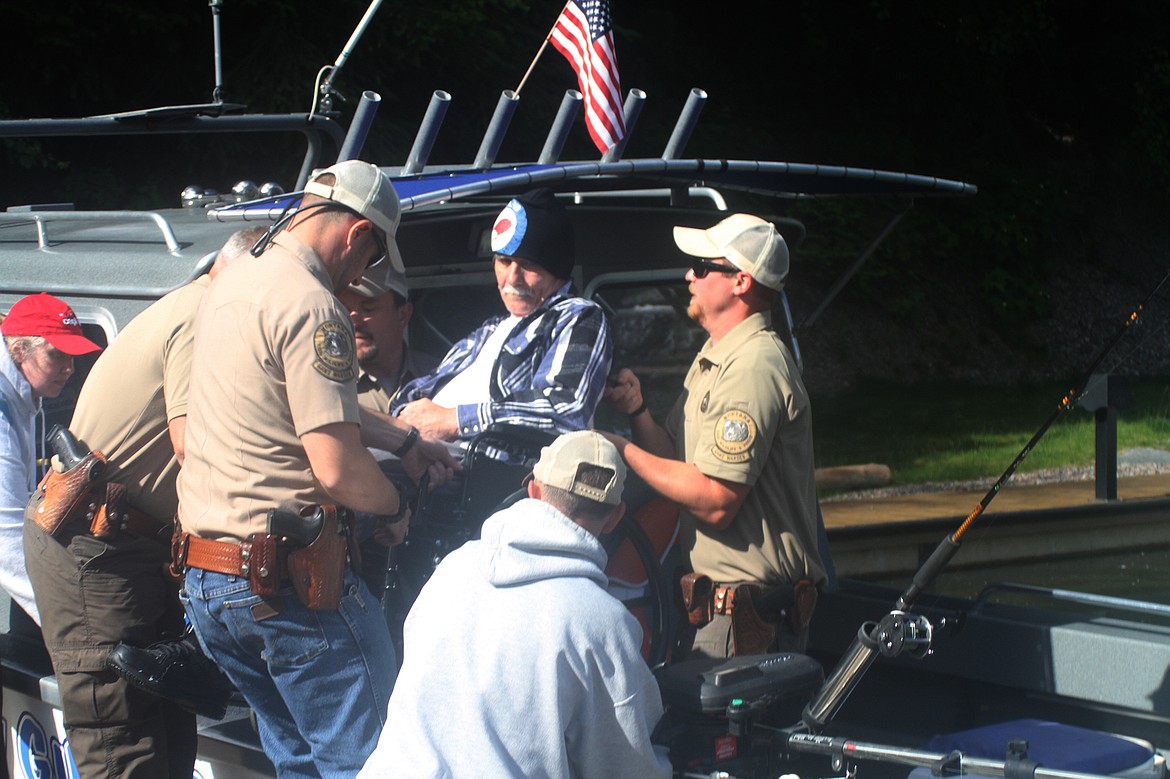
1057 746
708 686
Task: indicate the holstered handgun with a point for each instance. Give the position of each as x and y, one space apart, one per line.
317 570
61 497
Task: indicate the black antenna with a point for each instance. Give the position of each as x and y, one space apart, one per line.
217 93
323 94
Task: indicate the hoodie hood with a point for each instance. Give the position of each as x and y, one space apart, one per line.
531 541
15 390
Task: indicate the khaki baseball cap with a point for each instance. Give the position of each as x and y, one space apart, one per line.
380 279
561 460
749 243
363 188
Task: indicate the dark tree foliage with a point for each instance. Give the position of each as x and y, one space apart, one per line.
1057 109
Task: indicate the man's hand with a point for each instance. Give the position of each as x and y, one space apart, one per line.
392 533
432 458
624 392
431 420
618 441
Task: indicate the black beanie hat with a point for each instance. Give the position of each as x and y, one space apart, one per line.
536 227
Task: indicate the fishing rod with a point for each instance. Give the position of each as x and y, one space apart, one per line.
843 751
900 631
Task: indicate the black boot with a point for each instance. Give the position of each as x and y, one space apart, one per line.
177 670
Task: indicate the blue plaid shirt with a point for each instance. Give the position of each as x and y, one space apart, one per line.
549 375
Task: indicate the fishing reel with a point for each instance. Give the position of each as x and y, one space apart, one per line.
900 632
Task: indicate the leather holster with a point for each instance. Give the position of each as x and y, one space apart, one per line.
62 497
751 634
804 603
317 570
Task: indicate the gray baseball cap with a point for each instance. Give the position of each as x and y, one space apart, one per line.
363 188
380 279
749 243
561 460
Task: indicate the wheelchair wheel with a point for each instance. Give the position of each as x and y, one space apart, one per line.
654 603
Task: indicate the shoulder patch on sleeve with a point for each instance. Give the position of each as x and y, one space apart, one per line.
334 347
735 432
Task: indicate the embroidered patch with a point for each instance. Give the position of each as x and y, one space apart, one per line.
334 347
735 432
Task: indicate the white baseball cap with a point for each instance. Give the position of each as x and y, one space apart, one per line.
561 461
363 188
380 279
749 243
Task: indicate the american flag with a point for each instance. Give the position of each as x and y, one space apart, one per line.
584 34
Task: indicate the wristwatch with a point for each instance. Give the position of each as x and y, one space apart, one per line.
407 443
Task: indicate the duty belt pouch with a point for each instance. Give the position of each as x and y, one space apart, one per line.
750 633
804 603
107 518
261 563
318 569
697 591
62 497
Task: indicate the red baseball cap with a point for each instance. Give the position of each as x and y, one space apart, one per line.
50 318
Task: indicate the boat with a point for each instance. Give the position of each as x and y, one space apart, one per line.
884 672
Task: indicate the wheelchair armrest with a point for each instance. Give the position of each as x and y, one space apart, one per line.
507 436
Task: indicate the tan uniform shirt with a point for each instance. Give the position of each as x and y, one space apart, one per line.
745 417
135 389
274 359
378 394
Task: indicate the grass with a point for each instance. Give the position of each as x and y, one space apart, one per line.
951 432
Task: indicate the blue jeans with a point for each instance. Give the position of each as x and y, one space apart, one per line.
319 681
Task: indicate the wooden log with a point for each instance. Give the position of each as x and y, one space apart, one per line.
853 477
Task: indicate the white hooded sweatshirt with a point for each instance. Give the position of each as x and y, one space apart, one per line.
518 663
18 454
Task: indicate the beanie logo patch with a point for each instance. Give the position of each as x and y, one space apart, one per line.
509 229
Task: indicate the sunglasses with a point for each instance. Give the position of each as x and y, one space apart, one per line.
701 268
381 255
287 215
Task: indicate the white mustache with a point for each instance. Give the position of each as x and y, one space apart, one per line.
520 292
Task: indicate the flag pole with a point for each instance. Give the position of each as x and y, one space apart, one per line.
528 72
540 51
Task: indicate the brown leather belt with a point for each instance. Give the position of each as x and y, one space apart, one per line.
228 558
267 561
723 599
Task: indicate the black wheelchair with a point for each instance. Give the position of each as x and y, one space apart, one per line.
494 467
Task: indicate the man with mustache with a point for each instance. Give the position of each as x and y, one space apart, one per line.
544 364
